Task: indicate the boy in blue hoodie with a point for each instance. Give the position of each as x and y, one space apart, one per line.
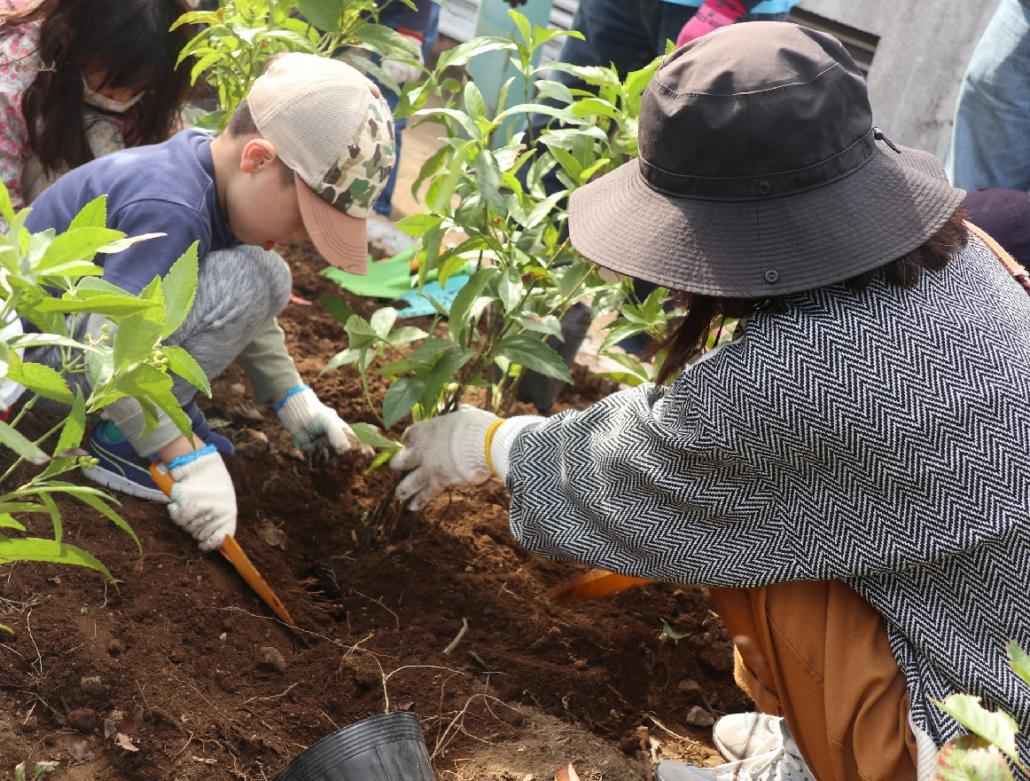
305 156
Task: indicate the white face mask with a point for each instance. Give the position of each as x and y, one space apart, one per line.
104 103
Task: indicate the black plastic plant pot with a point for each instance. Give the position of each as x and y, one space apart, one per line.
388 747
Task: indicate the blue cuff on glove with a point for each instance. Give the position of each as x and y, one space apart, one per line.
189 458
288 395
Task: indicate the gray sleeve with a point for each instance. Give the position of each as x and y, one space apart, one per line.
637 484
268 363
127 414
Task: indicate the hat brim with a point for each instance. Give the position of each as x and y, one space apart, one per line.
770 247
340 238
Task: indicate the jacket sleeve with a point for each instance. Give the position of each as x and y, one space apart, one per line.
268 363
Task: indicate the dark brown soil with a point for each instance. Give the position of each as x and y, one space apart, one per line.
177 644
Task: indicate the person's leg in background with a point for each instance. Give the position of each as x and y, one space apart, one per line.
384 204
992 119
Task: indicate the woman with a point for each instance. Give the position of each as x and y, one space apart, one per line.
848 473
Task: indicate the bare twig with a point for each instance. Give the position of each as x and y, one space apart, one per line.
273 696
457 638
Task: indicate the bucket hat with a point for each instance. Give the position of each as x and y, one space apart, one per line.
333 129
759 173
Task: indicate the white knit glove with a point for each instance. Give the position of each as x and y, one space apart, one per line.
403 72
309 420
203 498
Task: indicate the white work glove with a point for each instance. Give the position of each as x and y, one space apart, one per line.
449 450
203 498
309 420
402 72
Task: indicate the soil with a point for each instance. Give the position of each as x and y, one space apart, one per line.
168 676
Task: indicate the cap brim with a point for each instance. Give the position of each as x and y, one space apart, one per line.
756 249
340 239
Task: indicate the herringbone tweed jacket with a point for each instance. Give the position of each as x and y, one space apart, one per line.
880 438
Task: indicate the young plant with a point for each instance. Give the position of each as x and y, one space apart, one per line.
97 330
238 39
40 769
985 753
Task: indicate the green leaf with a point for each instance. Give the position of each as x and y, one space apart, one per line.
417 224
1020 661
535 354
464 52
368 434
76 245
404 335
343 358
8 521
182 363
510 289
134 340
400 398
48 551
120 245
463 119
971 758
995 727
180 288
40 379
101 303
475 107
549 324
442 374
74 425
324 14
488 180
466 296
337 307
382 321
92 215
522 24
386 42
6 207
55 515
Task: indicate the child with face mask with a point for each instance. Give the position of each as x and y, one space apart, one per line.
82 78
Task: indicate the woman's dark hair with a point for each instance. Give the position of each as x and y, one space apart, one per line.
688 336
131 41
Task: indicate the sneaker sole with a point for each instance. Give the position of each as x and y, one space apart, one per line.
123 484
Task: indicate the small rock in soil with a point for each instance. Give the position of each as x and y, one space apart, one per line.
271 535
699 717
93 686
238 389
252 443
271 660
116 647
688 685
248 413
718 657
83 719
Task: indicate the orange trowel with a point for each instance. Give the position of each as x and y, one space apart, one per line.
596 583
234 554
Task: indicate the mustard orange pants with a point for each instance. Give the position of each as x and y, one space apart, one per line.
817 654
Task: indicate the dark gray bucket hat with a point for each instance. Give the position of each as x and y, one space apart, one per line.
760 173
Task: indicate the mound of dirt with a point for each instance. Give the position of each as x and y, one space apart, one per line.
179 672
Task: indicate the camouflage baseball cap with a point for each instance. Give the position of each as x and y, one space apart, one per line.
332 127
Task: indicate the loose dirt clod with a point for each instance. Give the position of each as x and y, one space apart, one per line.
699 717
93 686
83 719
270 659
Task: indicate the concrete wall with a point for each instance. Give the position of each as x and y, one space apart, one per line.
923 51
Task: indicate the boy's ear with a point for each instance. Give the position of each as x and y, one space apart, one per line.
257 154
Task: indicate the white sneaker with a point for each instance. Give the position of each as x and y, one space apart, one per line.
742 735
781 761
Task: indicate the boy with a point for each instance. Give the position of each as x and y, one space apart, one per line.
305 155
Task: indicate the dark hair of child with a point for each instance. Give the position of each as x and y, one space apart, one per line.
131 41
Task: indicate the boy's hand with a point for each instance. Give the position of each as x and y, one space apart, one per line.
310 421
203 497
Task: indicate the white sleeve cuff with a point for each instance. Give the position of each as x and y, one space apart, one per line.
504 438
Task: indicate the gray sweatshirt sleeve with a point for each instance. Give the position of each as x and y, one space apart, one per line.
268 363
